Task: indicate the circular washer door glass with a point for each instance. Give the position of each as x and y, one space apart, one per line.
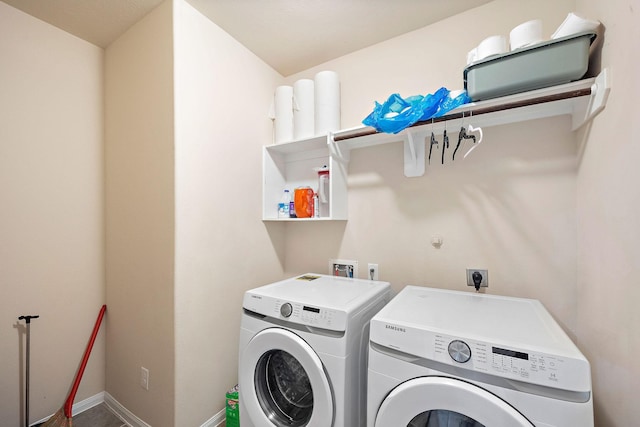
436 401
283 389
442 418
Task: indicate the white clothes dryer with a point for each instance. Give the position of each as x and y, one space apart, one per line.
303 351
446 358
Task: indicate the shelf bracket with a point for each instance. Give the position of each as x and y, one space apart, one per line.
414 153
342 155
597 100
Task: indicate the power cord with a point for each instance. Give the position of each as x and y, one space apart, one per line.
477 280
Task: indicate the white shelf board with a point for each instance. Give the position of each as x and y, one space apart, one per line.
308 144
574 98
302 219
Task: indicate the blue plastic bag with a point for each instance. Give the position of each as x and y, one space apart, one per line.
452 101
431 103
394 115
397 113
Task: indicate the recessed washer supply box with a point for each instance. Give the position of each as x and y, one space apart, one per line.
550 63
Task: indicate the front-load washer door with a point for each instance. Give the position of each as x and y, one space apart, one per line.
283 382
441 401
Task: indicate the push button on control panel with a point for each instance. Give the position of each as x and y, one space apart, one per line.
459 351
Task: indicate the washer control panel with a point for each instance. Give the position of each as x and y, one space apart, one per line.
307 314
297 312
503 361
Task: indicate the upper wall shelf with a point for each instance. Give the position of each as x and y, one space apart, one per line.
290 165
582 100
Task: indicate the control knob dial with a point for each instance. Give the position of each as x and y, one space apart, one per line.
459 351
286 309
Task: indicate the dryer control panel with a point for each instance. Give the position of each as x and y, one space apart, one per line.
533 367
493 358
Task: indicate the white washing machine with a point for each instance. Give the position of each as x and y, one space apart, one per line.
445 358
303 351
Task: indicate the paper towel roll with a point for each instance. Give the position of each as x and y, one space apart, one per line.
493 45
303 109
574 24
526 34
283 107
327 102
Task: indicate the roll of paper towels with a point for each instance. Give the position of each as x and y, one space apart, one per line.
526 34
327 102
493 45
283 108
303 109
574 24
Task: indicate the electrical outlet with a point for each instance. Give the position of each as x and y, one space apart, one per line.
343 267
484 276
372 271
144 378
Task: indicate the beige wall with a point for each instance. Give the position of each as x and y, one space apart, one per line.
608 281
51 237
181 245
139 198
223 93
509 207
551 213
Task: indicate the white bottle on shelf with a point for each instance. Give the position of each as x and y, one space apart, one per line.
283 206
316 206
323 191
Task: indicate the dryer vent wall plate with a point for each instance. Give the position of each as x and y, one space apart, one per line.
343 267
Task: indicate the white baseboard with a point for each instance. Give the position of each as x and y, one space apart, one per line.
81 406
216 420
123 413
133 421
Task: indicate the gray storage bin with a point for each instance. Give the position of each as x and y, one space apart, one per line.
542 65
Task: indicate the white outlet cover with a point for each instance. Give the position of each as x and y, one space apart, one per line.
144 378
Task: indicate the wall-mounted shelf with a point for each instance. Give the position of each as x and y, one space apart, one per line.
582 100
290 165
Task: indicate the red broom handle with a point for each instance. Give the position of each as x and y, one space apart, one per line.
68 405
